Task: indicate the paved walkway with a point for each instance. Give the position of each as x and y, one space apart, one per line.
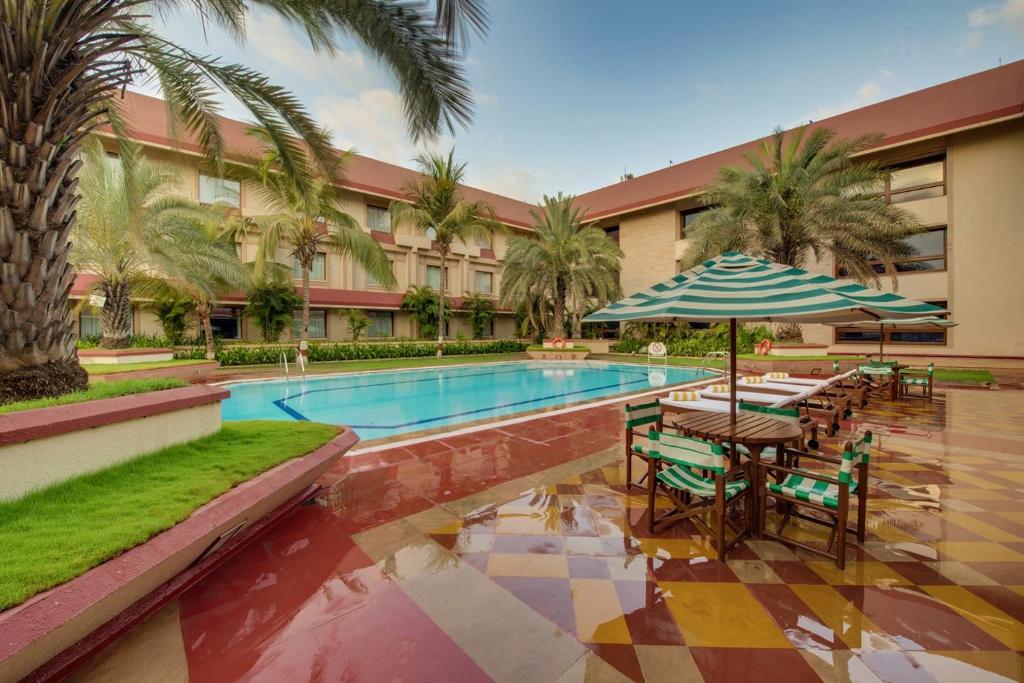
514 554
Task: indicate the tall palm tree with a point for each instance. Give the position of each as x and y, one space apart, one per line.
801 196
62 64
438 209
564 266
132 228
306 201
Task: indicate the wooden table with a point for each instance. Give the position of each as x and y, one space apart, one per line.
752 430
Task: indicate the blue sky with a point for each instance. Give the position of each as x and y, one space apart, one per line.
570 93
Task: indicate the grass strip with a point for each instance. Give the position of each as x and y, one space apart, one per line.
342 366
964 375
52 535
112 368
124 387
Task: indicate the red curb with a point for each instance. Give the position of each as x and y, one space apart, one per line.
39 423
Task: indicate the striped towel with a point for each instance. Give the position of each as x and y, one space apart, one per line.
684 396
752 380
719 388
777 375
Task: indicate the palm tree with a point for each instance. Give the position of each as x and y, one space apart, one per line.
131 229
438 209
480 311
272 305
308 218
802 196
357 321
62 64
564 266
420 302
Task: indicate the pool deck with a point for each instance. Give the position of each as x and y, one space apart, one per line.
514 554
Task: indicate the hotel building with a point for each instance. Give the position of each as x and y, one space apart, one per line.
957 155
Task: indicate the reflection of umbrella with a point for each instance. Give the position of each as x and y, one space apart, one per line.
735 286
926 321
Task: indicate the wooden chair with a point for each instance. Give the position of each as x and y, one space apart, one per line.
803 488
639 418
876 379
917 377
715 488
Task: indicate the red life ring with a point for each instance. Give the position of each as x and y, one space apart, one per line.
763 347
558 343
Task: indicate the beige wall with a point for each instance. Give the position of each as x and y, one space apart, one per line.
648 242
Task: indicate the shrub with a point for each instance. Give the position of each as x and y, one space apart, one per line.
357 321
138 341
271 305
174 314
269 355
700 342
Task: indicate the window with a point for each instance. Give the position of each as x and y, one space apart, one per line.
238 250
226 322
431 234
317 323
613 233
687 217
434 277
929 254
918 179
371 281
213 190
924 334
483 282
378 219
483 241
382 324
89 324
318 271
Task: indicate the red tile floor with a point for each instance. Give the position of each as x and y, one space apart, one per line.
515 554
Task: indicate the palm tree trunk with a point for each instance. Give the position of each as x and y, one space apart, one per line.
204 317
304 332
116 316
558 312
440 301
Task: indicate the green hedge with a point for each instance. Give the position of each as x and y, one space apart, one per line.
269 355
700 342
138 341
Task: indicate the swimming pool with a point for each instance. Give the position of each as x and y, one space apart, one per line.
396 402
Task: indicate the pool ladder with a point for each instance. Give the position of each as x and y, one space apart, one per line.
299 361
716 355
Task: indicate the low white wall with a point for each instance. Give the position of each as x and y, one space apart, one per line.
40 462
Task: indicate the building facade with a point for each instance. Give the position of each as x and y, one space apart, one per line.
957 155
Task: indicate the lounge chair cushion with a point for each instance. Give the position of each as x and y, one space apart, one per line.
809 490
684 395
684 479
922 381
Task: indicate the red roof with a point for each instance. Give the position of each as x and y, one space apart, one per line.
976 99
147 121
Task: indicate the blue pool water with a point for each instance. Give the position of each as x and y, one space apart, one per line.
384 404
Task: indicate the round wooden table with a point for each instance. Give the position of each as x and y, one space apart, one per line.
755 431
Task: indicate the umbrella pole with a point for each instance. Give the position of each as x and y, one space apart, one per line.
732 371
881 341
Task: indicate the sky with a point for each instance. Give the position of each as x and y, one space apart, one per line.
570 94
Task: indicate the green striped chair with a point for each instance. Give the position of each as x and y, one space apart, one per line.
693 474
808 424
854 387
916 377
639 418
876 377
829 496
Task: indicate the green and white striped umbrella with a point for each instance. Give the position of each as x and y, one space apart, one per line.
736 287
739 287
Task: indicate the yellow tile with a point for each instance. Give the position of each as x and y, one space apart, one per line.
452 528
972 523
1015 516
523 519
993 621
981 551
677 548
902 466
1013 475
528 564
974 480
1017 589
964 493
858 574
598 612
836 612
668 663
753 571
891 533
721 615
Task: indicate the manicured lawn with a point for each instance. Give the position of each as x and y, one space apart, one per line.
379 364
99 390
754 356
105 369
682 361
963 375
55 534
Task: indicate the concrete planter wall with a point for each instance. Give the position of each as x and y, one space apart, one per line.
558 354
49 445
123 356
193 372
783 349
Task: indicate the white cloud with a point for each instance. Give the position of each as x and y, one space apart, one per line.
508 179
870 91
1009 16
372 123
282 52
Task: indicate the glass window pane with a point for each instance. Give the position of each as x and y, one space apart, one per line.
226 322
931 243
381 324
89 326
913 195
378 219
484 282
431 234
213 190
434 277
482 241
918 174
856 335
919 266
317 323
918 336
318 271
